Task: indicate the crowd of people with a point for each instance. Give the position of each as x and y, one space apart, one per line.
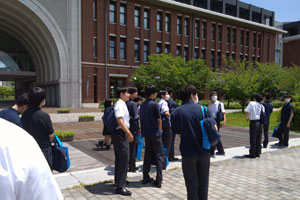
159 122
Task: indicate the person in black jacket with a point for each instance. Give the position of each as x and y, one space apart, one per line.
107 135
268 110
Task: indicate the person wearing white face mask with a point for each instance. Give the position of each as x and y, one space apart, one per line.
287 114
219 114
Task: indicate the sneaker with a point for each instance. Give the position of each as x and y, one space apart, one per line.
107 147
220 153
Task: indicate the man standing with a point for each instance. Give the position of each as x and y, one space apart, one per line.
165 117
195 160
268 109
121 138
133 113
253 112
38 123
218 113
151 130
172 107
287 114
11 114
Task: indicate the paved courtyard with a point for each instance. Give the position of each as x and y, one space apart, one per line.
275 175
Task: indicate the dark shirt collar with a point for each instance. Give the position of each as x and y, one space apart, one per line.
188 102
14 110
34 108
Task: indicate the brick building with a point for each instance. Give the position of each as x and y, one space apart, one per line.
126 32
291 44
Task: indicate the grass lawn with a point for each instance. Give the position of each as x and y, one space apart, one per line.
239 119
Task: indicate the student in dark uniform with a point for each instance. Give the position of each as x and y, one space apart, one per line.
152 132
195 160
134 124
121 138
287 114
107 135
268 109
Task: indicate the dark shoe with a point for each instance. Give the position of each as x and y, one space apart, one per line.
173 159
133 170
265 146
101 143
248 156
149 180
157 184
123 191
127 183
220 153
278 144
258 155
107 147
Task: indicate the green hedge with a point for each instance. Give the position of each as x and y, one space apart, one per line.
63 110
64 134
295 126
86 118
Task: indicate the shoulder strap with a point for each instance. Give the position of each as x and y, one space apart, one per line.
204 110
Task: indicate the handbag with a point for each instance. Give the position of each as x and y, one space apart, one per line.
275 131
61 160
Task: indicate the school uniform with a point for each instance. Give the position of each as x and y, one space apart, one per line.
214 108
172 107
268 110
254 108
283 133
121 145
195 159
149 114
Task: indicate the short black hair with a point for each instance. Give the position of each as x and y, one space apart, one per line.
186 91
287 96
107 103
162 92
132 90
121 90
150 89
22 100
267 96
139 98
169 90
257 97
213 92
36 95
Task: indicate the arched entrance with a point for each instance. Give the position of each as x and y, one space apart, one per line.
39 48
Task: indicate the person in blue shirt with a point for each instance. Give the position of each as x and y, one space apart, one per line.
151 127
268 110
195 160
11 114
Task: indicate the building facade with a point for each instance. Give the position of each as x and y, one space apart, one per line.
291 44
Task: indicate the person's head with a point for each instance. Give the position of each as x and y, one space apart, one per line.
133 92
22 103
287 98
138 100
188 93
163 94
213 96
108 103
267 96
257 98
151 92
123 94
170 91
37 97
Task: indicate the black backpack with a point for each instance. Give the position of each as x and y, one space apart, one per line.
109 119
263 116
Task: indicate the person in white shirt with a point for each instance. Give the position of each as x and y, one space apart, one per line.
219 114
121 138
24 171
253 112
165 117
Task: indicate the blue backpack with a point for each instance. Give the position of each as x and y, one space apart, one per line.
109 119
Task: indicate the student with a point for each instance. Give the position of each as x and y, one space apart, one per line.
165 117
287 114
172 107
134 126
138 102
121 138
24 171
38 123
269 109
11 114
107 135
217 108
151 126
253 111
195 159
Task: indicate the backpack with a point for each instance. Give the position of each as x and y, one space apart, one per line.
60 154
220 115
210 135
263 116
109 119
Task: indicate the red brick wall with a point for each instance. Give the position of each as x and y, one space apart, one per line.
291 53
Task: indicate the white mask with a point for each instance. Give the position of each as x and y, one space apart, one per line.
197 100
167 97
214 98
287 100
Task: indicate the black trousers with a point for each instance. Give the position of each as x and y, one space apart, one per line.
121 148
255 138
167 138
266 135
283 134
196 175
153 146
47 151
132 153
171 154
219 145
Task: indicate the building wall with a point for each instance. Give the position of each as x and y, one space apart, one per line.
96 29
291 53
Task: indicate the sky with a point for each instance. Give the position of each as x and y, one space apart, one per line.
285 10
